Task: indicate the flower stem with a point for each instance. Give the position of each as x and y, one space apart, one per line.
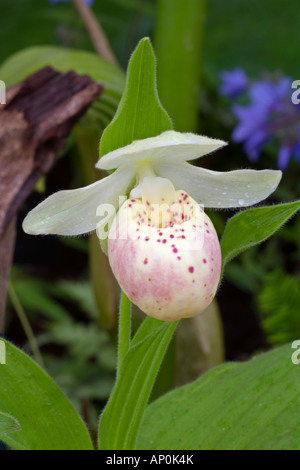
124 327
95 31
25 323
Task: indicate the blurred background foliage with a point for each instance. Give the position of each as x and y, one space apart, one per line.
259 299
255 35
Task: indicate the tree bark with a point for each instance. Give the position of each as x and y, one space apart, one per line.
34 125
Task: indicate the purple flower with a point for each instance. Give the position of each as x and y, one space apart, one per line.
87 2
251 129
285 153
269 115
234 82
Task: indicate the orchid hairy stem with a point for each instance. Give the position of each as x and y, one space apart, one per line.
124 327
25 323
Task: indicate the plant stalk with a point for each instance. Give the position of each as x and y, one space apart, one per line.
25 323
124 328
95 31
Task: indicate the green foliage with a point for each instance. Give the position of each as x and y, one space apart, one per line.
121 419
48 420
87 384
265 273
228 27
235 37
77 292
291 234
124 22
140 113
84 341
87 369
34 296
178 43
240 406
279 303
260 270
252 405
253 226
39 296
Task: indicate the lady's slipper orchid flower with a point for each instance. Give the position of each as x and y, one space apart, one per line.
162 247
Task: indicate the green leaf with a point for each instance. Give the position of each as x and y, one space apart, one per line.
252 405
178 45
149 326
140 113
47 418
28 61
253 226
121 419
8 424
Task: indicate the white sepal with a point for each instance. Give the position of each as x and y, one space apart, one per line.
73 212
238 188
169 146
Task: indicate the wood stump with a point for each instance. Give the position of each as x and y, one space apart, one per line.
34 124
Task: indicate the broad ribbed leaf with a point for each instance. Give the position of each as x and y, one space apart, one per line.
252 405
47 418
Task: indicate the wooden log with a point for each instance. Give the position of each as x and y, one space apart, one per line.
34 125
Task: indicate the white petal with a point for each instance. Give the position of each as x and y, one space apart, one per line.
238 188
170 145
73 212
